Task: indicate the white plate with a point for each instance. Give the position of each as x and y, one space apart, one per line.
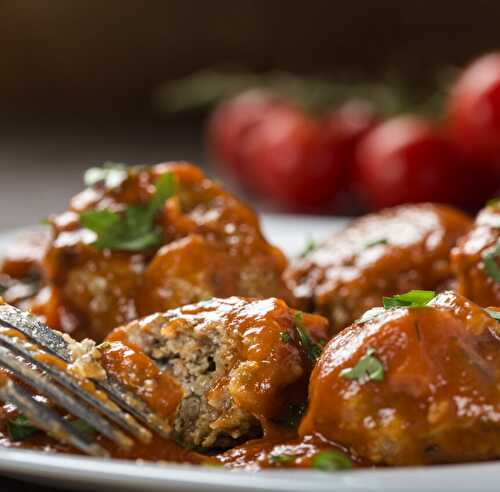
291 233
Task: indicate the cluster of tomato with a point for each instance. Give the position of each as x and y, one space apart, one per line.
302 161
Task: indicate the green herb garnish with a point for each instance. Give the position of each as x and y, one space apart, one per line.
310 246
495 314
490 263
133 229
371 314
110 173
413 298
82 426
376 243
493 202
368 366
282 458
331 460
311 349
285 337
20 428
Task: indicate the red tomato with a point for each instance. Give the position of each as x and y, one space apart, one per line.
345 126
229 125
474 110
291 160
405 160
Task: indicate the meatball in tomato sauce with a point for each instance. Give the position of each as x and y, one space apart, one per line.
381 254
155 239
240 363
476 259
412 385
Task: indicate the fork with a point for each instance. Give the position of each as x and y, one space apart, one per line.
120 416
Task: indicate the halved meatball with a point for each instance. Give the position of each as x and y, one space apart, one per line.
412 385
477 257
211 245
381 254
239 363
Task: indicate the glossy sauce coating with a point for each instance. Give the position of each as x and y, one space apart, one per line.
381 254
468 259
212 246
135 370
439 398
268 368
279 451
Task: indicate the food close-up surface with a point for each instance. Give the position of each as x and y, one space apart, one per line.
144 240
376 347
391 252
238 264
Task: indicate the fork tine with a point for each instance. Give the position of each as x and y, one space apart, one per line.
34 329
65 400
135 406
74 385
48 420
55 344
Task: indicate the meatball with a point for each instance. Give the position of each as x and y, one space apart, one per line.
239 362
412 385
210 245
475 257
390 252
20 268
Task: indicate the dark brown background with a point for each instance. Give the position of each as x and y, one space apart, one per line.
76 77
95 56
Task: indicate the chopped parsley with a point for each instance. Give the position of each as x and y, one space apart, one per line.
282 458
331 460
376 242
133 229
495 314
20 428
413 298
490 263
493 202
371 314
111 174
367 367
311 349
310 246
82 426
285 337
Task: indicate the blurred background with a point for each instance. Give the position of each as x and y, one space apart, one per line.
83 83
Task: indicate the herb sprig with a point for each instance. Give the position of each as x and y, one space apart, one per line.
367 367
311 349
309 247
331 460
490 263
133 229
494 202
376 242
495 314
282 458
413 298
285 337
20 428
